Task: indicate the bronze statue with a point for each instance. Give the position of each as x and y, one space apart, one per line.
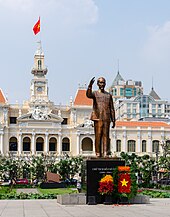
103 113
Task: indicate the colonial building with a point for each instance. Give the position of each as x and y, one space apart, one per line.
40 126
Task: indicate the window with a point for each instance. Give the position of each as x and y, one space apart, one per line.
87 144
39 64
128 92
13 144
153 111
115 92
134 115
143 145
128 115
128 105
52 144
131 146
121 91
66 144
134 111
26 144
65 121
128 111
134 91
13 120
155 146
118 145
39 144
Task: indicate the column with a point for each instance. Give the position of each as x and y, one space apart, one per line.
46 144
78 143
124 145
149 145
33 144
1 143
59 144
113 142
138 145
20 144
161 149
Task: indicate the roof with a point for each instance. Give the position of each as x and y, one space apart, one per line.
141 124
2 97
81 98
117 79
154 94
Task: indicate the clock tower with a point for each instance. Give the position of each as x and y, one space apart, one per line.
39 84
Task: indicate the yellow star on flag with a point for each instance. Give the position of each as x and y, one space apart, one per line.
124 182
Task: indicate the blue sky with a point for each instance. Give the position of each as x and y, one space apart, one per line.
82 39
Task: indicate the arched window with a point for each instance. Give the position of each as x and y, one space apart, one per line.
118 145
40 144
143 145
13 145
53 144
131 146
26 144
155 146
65 144
39 64
87 144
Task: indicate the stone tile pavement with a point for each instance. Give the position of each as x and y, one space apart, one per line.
50 208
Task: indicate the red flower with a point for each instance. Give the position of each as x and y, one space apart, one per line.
106 185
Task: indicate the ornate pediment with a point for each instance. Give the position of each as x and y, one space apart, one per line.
40 113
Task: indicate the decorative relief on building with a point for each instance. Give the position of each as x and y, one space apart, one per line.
40 113
87 123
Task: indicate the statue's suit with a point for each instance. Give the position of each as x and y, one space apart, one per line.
103 113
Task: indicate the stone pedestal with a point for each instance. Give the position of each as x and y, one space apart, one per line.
96 169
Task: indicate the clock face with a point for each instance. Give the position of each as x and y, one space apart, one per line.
39 89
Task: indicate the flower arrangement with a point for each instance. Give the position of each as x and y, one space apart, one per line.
123 168
106 185
124 183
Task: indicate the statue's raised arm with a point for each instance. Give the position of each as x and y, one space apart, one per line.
92 82
89 92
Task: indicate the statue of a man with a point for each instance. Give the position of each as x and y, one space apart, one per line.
103 113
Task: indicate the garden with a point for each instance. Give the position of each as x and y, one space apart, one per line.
125 182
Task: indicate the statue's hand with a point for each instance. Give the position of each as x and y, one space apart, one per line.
92 82
113 126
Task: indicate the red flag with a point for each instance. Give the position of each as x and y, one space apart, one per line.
36 28
124 183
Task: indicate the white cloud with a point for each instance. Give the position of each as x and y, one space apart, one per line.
157 47
78 12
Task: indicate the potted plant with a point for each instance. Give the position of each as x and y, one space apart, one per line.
106 188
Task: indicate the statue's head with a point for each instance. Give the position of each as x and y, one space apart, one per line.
101 82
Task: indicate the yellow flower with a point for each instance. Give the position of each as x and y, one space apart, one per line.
107 178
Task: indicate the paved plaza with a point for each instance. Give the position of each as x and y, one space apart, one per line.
50 208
